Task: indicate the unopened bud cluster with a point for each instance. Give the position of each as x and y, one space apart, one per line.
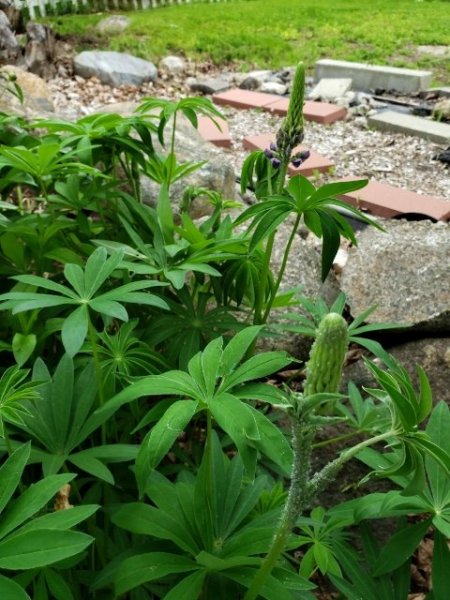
275 157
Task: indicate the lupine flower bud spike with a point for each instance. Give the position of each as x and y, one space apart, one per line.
326 359
294 118
290 133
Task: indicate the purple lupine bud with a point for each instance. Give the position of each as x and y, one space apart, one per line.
268 154
276 163
304 155
273 146
296 162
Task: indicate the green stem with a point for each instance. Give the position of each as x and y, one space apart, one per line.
98 370
295 504
328 474
258 318
335 440
20 199
282 270
301 492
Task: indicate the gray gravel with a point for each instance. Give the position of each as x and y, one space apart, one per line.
397 159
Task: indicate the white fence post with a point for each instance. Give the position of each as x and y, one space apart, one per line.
105 4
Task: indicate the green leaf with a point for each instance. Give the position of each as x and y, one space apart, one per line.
32 500
256 367
74 330
237 347
143 519
233 415
60 519
272 442
210 360
110 308
438 429
57 585
36 549
75 276
400 547
189 588
11 472
160 439
330 245
23 347
136 570
165 215
98 269
339 188
10 590
85 461
440 567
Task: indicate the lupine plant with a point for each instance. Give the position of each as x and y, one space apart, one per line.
135 405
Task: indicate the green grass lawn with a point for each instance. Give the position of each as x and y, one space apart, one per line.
273 33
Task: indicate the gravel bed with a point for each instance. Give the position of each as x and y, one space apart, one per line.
356 150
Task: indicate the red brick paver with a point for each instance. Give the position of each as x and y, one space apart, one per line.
320 112
316 162
385 200
243 98
210 133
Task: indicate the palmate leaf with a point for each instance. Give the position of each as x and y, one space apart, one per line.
85 295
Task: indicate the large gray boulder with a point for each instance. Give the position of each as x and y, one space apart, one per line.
9 46
303 271
37 95
40 50
216 174
404 271
114 68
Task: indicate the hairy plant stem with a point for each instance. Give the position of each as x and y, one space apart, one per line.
302 490
302 445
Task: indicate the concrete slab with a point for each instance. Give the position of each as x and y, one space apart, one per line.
315 163
385 200
411 125
330 88
210 133
441 91
368 77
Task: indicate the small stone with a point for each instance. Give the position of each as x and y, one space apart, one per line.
174 65
441 110
273 87
255 79
209 86
329 89
113 24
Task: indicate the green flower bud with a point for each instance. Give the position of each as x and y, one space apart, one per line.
291 130
326 359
